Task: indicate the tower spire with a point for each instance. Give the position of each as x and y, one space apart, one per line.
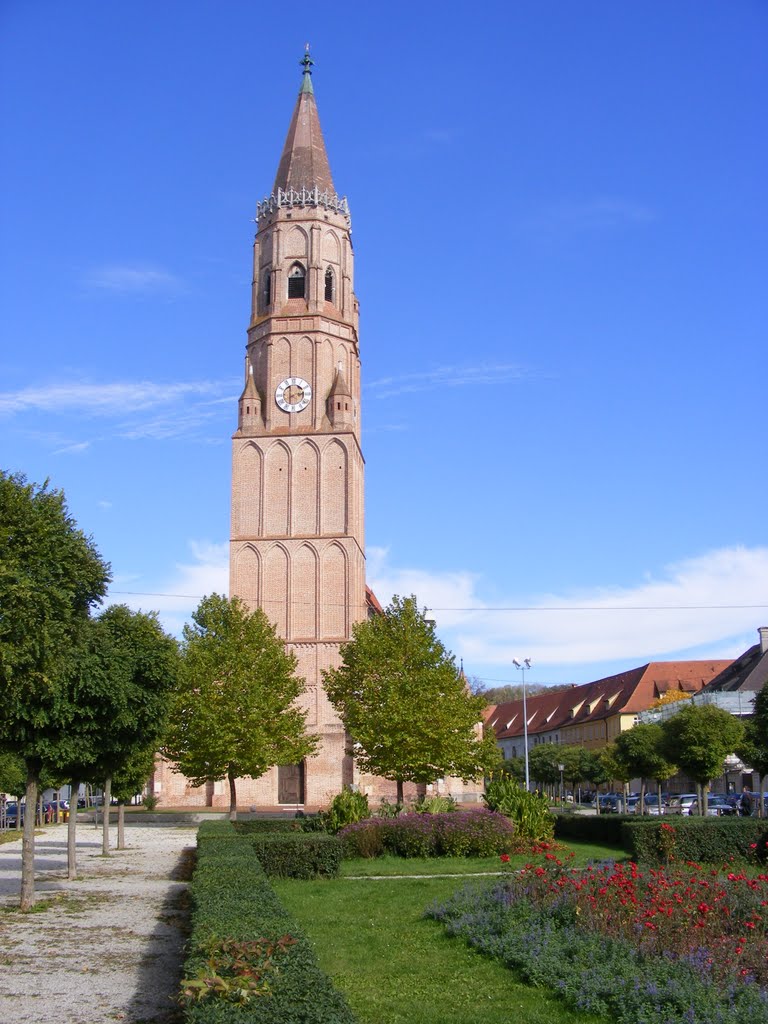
304 163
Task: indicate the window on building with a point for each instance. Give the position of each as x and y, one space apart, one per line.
296 282
330 286
266 294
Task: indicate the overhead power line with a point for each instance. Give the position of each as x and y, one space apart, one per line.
520 608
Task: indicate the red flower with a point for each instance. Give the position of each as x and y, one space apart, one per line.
505 858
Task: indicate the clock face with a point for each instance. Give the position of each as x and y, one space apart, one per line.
293 394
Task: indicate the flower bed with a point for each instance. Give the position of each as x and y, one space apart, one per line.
477 833
686 945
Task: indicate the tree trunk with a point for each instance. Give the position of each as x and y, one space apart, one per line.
642 796
28 842
704 799
232 796
658 796
399 797
105 816
121 825
72 830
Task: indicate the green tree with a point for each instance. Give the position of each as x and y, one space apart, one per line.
405 705
51 575
233 713
698 739
543 761
753 749
143 671
640 749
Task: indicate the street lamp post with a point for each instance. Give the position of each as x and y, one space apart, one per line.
526 663
561 768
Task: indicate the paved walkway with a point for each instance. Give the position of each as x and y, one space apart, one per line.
105 947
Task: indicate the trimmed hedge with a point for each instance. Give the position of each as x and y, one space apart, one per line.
594 828
298 855
708 840
262 825
233 903
477 833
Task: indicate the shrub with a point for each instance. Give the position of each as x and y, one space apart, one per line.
262 825
434 805
364 838
346 808
711 840
242 936
298 855
477 833
598 828
529 812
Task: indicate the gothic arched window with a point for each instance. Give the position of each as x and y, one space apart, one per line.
266 294
330 285
296 282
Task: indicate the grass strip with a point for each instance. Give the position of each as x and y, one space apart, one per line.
396 967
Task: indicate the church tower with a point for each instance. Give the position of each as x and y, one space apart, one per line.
297 467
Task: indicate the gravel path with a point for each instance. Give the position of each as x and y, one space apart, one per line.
105 947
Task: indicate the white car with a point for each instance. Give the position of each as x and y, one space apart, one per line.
682 804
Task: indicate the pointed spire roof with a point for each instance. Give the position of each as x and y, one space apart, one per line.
304 163
339 384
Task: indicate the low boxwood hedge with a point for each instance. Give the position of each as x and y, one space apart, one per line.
261 825
595 828
298 855
247 958
704 840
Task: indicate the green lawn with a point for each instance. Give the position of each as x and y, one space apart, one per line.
398 968
388 866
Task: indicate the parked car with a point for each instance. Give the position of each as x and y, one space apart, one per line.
633 803
11 813
718 805
682 804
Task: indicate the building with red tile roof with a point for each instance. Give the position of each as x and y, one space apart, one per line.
593 714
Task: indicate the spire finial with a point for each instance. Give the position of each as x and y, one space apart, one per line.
306 63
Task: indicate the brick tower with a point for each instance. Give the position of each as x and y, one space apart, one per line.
297 467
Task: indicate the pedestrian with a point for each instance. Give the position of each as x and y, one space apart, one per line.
745 804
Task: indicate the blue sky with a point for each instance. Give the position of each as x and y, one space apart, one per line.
559 214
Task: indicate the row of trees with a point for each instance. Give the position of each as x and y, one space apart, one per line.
695 741
82 697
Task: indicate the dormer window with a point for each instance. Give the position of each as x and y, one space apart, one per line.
296 282
330 285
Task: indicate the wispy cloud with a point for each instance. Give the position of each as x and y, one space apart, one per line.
133 280
595 214
137 409
698 607
206 572
108 398
447 377
74 449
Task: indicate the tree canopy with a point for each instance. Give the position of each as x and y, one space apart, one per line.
51 575
233 713
699 738
405 705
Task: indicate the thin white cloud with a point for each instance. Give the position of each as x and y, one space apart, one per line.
447 377
598 213
74 449
107 398
692 608
207 572
133 280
